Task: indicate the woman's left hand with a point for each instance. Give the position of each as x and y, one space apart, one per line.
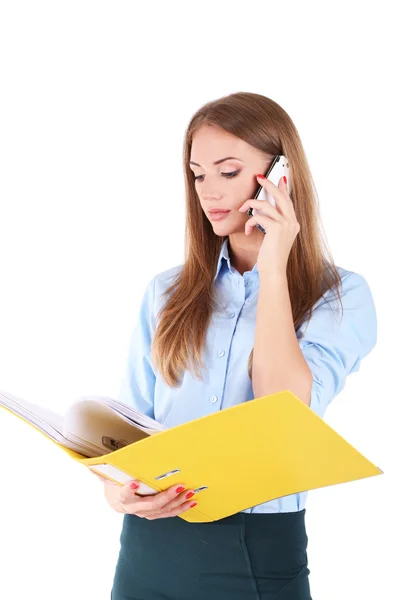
280 224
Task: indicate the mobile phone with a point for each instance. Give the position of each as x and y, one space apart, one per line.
278 168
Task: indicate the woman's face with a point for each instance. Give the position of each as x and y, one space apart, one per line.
228 184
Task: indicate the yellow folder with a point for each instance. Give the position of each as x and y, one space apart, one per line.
239 457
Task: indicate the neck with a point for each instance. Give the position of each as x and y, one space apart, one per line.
244 256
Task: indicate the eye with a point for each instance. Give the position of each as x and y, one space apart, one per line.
227 175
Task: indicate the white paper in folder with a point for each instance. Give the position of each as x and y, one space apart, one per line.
122 478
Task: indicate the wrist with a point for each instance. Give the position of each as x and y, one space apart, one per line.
272 277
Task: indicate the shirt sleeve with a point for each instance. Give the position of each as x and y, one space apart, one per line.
334 346
138 382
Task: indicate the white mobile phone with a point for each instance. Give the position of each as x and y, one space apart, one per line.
278 168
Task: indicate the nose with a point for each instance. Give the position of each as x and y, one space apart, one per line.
211 194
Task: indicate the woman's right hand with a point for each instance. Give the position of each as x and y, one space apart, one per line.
123 499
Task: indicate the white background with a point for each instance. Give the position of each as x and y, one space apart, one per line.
95 98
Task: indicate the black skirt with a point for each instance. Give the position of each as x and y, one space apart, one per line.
247 556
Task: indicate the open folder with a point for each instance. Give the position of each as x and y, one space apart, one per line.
236 458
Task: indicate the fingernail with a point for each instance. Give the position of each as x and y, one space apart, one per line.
134 485
189 495
193 504
284 179
260 176
180 489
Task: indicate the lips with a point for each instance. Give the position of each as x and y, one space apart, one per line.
218 215
218 210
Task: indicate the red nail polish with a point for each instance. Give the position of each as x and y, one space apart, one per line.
189 495
284 179
134 486
193 504
260 176
180 489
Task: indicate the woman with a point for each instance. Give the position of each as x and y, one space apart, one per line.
258 313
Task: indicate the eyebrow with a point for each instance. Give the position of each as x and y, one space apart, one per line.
217 162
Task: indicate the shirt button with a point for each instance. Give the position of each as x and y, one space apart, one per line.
232 315
213 398
221 353
246 283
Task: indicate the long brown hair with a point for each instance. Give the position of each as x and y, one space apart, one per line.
185 316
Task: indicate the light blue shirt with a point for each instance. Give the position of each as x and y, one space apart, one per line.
333 348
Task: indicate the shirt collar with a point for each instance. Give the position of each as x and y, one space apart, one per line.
224 254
